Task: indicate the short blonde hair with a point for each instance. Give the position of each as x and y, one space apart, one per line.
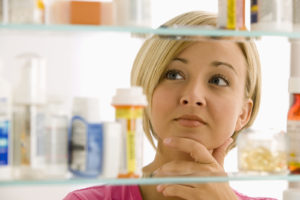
157 52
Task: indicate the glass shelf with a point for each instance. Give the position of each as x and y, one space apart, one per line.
166 31
149 181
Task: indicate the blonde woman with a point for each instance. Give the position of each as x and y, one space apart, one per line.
202 92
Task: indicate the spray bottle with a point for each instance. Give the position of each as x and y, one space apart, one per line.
29 155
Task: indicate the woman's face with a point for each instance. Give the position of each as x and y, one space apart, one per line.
201 95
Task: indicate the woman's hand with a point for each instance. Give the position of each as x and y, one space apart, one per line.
205 164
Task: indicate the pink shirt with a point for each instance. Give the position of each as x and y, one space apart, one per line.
128 192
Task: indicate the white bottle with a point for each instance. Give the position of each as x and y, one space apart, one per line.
274 15
133 12
29 158
112 134
5 130
56 125
85 138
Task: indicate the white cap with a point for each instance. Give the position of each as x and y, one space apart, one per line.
31 88
86 107
130 96
294 85
57 104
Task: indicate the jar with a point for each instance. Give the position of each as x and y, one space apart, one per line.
262 151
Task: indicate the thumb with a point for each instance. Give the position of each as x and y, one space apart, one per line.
220 152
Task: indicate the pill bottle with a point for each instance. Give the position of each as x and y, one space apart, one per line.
129 104
85 138
293 118
293 126
231 14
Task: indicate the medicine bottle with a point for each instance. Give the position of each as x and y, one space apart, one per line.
293 121
272 15
85 138
129 104
293 126
231 14
56 127
26 11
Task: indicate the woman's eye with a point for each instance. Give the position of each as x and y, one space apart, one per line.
219 80
173 75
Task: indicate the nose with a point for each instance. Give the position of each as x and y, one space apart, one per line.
193 95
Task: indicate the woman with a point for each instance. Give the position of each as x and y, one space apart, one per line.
202 92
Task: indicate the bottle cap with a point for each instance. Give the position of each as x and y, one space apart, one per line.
31 88
86 107
294 85
57 105
129 96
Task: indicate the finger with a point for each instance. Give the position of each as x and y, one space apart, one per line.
187 168
175 190
182 168
195 149
220 152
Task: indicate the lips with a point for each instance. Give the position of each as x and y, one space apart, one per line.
190 121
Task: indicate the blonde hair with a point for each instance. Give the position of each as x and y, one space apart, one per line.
157 52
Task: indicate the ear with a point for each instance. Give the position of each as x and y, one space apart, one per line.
245 114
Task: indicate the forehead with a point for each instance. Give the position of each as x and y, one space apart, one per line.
215 50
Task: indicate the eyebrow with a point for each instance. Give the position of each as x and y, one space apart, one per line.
183 60
214 63
218 63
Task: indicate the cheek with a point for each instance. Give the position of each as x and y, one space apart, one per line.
162 104
225 116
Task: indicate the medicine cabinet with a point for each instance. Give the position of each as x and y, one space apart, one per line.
142 33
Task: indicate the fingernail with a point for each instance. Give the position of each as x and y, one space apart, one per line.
167 140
